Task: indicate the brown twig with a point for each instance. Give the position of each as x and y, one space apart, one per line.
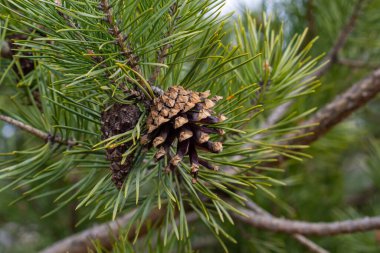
126 48
107 233
68 20
310 17
332 56
82 241
300 238
308 228
355 64
36 132
340 108
162 54
164 50
327 62
120 39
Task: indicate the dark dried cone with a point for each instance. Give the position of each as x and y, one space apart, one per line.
186 116
116 120
8 48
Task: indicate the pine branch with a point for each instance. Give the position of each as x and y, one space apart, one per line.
36 132
339 109
328 61
308 228
300 238
351 100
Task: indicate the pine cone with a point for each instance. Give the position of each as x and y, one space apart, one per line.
183 115
119 119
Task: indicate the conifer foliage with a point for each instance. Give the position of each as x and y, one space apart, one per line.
127 91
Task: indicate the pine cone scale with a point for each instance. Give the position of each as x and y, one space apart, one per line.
118 119
183 115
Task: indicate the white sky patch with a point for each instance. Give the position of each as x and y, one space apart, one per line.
234 5
8 131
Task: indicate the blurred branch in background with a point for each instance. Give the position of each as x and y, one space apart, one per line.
106 233
355 64
309 228
347 29
83 241
300 238
339 109
327 62
36 132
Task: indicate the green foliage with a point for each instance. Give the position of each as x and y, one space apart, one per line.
75 89
81 68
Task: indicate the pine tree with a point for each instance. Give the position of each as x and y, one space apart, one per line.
170 121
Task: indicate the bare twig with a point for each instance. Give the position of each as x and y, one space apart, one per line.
340 108
164 50
124 45
82 241
309 244
310 17
69 21
36 132
327 62
300 238
308 228
162 54
120 39
355 64
332 56
107 233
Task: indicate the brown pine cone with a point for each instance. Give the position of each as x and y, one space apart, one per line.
183 115
116 120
